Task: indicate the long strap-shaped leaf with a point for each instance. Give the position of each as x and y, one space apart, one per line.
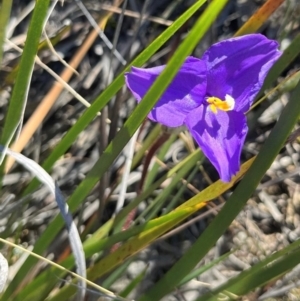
4 17
20 90
259 17
264 271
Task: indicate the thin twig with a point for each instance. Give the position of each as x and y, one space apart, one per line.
56 76
100 32
136 15
56 54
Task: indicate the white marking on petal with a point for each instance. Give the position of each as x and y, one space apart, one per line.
230 101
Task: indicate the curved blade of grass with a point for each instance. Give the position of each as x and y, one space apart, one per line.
82 122
4 17
260 274
74 237
20 89
259 17
234 204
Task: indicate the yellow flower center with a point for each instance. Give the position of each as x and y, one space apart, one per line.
216 103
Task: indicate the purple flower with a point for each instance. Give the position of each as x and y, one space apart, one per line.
211 96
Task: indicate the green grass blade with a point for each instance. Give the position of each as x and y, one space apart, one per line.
116 274
20 89
263 272
259 17
4 17
234 205
195 273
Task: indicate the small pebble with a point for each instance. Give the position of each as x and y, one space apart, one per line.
275 165
136 268
255 260
293 236
296 147
264 210
281 203
98 49
286 161
285 43
191 290
290 168
142 206
296 220
242 236
295 157
273 189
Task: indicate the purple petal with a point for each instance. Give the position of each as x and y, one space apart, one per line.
238 67
185 93
220 136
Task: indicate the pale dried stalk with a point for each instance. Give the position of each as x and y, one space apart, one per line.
57 77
